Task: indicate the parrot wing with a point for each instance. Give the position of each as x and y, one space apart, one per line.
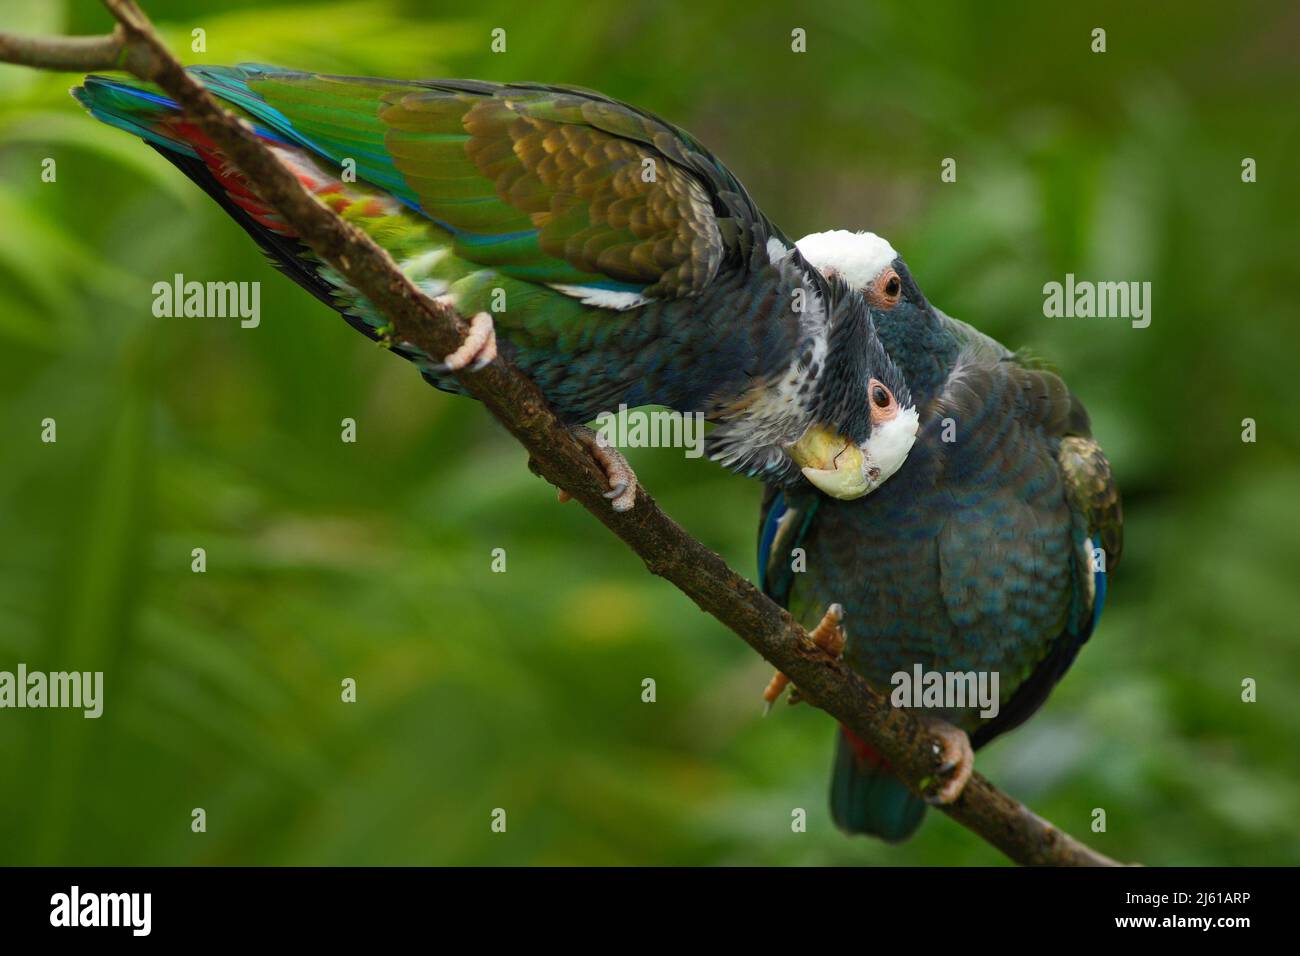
1054 503
547 184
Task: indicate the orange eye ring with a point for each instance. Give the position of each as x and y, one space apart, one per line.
883 404
886 291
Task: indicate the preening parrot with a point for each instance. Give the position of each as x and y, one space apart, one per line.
611 256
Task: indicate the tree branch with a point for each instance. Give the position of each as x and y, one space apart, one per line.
71 54
667 550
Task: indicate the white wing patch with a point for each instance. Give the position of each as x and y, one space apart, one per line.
776 250
602 298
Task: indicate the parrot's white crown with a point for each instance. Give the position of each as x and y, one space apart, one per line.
857 256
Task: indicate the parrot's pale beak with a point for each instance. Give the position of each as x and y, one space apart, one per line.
832 463
846 471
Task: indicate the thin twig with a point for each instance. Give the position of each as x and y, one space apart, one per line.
667 550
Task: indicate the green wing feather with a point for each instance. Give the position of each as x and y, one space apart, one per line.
543 184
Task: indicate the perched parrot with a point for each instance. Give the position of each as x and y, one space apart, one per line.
614 259
986 552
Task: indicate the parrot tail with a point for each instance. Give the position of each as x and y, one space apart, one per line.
866 797
142 110
138 108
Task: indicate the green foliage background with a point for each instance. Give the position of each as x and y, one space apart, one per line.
522 690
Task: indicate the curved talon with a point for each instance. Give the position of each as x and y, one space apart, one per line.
773 691
625 500
622 479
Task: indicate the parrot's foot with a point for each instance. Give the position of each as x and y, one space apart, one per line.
479 346
622 479
828 635
958 761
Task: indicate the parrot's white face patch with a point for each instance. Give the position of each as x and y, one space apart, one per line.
859 257
889 445
847 471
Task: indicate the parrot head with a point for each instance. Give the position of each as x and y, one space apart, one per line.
866 397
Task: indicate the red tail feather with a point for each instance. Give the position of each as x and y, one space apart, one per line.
864 752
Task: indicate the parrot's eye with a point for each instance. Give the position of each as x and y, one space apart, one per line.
885 292
884 407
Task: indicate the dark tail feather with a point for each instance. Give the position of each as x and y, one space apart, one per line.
867 798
